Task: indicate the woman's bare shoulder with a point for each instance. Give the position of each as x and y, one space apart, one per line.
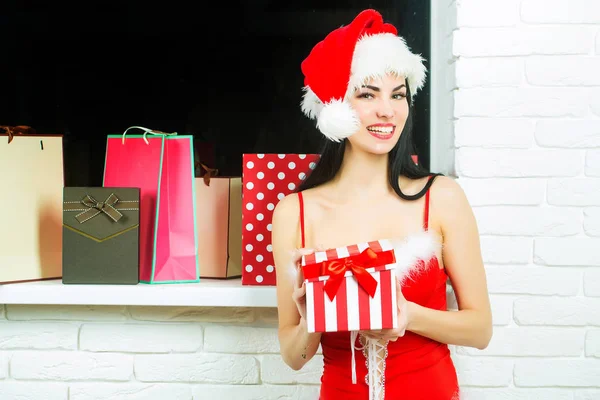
412 186
447 189
448 199
287 207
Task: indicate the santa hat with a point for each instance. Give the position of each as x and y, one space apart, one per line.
344 60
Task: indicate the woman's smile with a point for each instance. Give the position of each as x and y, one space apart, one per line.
381 131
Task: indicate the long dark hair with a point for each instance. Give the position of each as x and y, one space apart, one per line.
400 161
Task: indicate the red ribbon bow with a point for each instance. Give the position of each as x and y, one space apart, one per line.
358 264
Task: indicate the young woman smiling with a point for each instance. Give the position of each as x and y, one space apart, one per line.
360 81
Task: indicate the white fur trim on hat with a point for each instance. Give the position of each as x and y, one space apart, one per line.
377 55
374 56
311 105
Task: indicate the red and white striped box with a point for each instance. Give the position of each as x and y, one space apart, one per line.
351 288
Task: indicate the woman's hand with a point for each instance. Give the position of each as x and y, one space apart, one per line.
403 320
299 293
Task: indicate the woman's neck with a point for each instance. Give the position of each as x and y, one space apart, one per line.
362 175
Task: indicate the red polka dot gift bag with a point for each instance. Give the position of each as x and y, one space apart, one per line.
266 178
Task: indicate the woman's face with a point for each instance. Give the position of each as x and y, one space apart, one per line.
382 108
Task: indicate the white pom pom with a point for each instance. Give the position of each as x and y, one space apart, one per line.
337 120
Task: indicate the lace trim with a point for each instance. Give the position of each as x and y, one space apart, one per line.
353 336
375 352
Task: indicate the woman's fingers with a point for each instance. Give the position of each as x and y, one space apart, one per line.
386 334
297 255
372 334
299 297
299 276
299 292
391 334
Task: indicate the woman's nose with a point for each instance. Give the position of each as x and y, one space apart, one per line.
385 109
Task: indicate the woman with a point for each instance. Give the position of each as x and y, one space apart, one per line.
360 81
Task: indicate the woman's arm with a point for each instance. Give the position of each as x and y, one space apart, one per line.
297 345
471 325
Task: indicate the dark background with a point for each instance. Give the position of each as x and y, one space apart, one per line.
229 75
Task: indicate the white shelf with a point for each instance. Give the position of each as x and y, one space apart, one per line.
206 293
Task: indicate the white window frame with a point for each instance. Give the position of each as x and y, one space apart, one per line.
442 85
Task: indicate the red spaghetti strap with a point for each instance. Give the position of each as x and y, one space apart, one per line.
301 201
426 216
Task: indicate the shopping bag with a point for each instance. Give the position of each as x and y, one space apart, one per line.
219 222
161 165
32 182
267 178
101 235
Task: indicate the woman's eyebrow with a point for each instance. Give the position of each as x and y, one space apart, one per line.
376 89
373 88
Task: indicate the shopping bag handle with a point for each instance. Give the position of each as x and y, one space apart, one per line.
148 131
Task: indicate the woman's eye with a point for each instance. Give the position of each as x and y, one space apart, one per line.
366 95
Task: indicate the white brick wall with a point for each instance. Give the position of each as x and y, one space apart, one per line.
146 353
527 137
527 141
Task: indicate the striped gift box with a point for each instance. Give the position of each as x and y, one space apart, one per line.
359 302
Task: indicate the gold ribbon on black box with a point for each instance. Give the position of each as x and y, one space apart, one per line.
92 207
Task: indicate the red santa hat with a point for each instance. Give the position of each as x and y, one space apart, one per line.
345 59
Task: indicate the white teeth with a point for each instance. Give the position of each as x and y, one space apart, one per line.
381 129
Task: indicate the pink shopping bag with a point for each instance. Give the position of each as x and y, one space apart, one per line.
161 166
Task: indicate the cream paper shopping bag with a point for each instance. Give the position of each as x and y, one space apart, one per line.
31 186
219 221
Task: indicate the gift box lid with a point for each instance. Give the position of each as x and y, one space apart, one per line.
101 213
371 256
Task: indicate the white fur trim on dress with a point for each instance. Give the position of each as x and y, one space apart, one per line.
377 55
421 246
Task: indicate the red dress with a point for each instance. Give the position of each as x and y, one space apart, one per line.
416 368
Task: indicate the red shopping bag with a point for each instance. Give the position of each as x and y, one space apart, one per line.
267 178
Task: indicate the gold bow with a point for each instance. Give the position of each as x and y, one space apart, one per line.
94 207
